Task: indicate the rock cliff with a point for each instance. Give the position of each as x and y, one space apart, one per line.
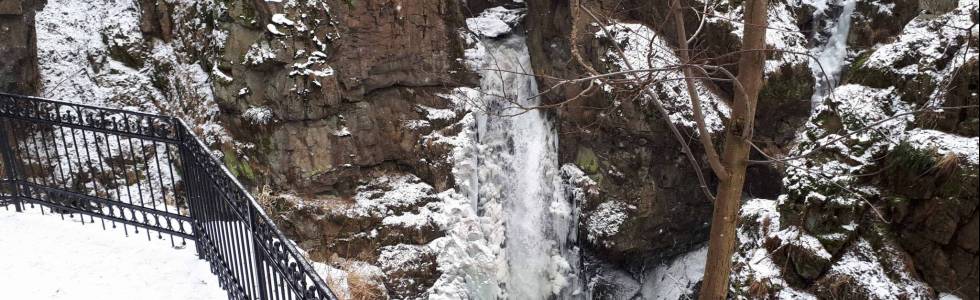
351 121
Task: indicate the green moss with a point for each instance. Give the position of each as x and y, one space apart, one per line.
586 160
871 77
860 61
787 85
237 167
911 160
915 89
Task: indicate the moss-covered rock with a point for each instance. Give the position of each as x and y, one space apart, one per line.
238 167
871 25
586 160
962 96
914 89
784 104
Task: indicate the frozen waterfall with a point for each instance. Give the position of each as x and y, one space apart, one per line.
831 56
519 195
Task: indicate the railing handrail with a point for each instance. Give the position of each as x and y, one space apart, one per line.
91 106
183 138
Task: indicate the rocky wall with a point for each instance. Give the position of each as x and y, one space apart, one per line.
18 47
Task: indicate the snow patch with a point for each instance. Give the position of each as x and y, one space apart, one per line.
606 219
280 19
258 115
45 257
946 143
677 278
644 49
494 22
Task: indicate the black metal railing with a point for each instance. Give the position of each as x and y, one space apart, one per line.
145 172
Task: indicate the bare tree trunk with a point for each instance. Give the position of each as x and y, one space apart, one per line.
738 133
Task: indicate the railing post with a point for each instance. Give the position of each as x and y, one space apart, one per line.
191 191
259 269
8 163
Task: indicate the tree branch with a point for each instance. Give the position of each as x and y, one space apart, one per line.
703 135
653 97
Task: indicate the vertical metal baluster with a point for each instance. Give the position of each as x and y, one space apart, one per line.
190 191
234 250
225 232
42 160
220 210
163 193
200 198
139 187
112 174
284 264
212 221
129 192
71 171
240 256
19 155
59 170
247 255
95 181
244 240
238 237
174 164
8 162
67 158
225 245
255 239
149 182
40 177
231 231
81 162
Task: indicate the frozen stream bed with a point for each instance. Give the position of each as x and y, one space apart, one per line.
44 257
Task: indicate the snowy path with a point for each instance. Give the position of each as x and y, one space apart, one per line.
43 257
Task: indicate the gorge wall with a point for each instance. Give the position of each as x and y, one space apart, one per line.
354 124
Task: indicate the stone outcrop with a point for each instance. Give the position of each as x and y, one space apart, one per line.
335 87
934 200
317 97
157 19
18 47
871 26
627 151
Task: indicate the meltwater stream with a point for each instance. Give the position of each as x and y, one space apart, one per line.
519 192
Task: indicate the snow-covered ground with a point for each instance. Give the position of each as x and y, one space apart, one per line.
43 257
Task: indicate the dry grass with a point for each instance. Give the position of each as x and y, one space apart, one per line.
362 288
760 289
360 284
946 165
929 119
